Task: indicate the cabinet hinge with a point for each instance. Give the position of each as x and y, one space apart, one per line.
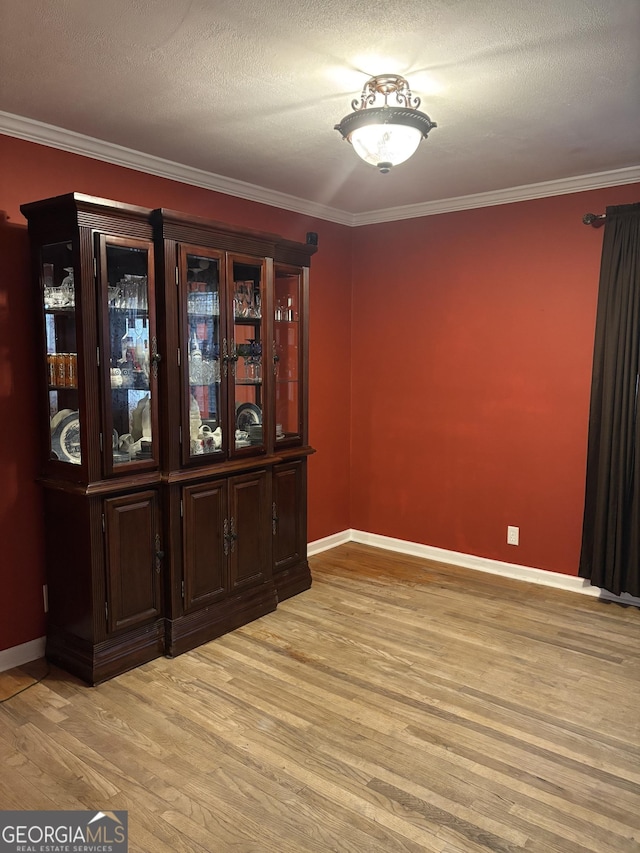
181 508
104 526
180 434
182 589
106 611
177 275
95 268
178 356
98 356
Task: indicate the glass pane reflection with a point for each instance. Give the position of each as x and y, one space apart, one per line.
247 355
129 353
59 304
203 346
287 354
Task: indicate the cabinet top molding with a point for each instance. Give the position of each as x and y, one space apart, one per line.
82 201
271 245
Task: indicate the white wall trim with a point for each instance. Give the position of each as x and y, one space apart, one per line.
564 186
470 561
328 542
19 655
108 152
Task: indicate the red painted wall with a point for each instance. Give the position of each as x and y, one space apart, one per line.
31 172
471 366
469 337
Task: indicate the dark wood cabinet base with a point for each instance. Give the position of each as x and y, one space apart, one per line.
191 630
292 581
95 663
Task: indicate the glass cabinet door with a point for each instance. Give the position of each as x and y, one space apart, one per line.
287 352
246 353
130 352
58 289
201 334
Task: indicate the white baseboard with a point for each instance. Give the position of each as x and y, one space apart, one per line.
19 655
470 561
329 542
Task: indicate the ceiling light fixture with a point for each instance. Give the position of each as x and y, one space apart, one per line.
385 135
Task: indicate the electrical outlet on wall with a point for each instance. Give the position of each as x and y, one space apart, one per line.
513 535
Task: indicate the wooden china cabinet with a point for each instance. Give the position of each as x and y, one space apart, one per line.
174 365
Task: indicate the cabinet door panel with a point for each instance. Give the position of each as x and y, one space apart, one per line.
61 322
202 317
288 351
250 551
203 544
288 522
133 584
246 276
130 353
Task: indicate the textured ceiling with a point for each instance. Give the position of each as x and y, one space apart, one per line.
523 92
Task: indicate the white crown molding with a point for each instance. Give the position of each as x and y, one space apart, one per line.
76 143
470 561
19 655
564 186
108 152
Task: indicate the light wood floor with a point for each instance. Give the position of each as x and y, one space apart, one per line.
398 705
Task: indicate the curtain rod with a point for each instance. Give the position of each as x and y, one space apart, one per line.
594 219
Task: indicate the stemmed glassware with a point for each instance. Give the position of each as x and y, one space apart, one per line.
251 353
255 360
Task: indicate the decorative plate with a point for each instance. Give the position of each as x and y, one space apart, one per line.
65 439
60 416
248 414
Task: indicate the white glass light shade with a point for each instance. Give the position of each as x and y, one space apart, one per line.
385 135
385 143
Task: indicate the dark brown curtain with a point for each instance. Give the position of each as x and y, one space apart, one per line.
610 556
